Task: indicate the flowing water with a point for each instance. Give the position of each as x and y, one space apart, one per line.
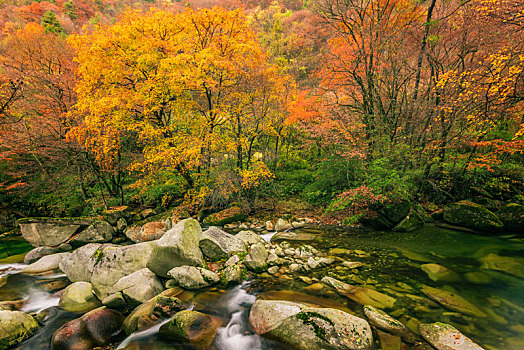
490 272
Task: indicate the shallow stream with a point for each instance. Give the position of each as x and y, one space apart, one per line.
490 272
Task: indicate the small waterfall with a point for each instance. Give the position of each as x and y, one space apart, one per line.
38 300
235 336
142 334
10 269
267 236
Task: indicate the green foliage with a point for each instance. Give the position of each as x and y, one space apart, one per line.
70 9
51 23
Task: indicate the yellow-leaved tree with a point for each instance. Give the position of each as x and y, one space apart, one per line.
186 89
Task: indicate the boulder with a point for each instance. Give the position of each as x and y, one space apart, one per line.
360 295
152 311
512 216
225 217
249 238
98 231
40 252
177 247
375 220
51 232
79 297
269 226
443 336
15 327
79 265
95 328
472 215
382 320
192 327
114 262
231 275
217 244
303 327
282 225
256 259
45 264
113 214
148 232
395 212
439 273
452 301
413 220
139 287
190 277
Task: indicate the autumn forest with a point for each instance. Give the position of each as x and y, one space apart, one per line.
333 105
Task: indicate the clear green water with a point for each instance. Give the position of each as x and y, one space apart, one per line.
391 265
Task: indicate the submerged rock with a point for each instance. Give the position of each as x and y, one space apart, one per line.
15 327
257 257
361 295
382 320
217 244
191 277
303 327
439 273
472 215
79 297
443 336
177 247
193 327
96 328
513 265
452 301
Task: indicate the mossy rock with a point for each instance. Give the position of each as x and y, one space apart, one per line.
395 212
225 217
473 216
512 216
375 220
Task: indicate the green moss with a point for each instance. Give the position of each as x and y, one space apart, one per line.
307 318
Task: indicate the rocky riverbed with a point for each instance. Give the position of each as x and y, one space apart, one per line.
246 287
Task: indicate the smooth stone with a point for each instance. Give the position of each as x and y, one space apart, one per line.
231 275
302 327
153 311
232 260
190 277
177 247
193 327
353 264
478 277
382 320
249 238
452 301
294 236
282 225
114 262
443 336
94 329
361 295
79 265
139 287
97 232
51 232
217 244
79 297
511 265
45 264
256 259
439 273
